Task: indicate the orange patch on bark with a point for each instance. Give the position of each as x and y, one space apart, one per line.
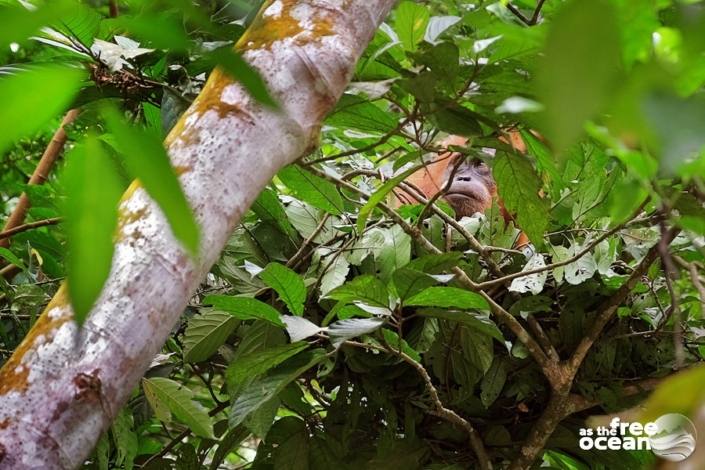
14 374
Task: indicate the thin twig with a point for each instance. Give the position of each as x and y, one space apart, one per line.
29 226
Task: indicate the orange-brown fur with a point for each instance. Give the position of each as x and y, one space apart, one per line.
432 179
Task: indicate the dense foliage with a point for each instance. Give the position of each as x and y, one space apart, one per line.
339 330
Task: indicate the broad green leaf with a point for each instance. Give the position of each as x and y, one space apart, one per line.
312 189
493 382
227 444
161 31
409 282
457 120
147 160
245 308
126 441
379 196
354 112
94 187
335 275
269 209
168 397
394 253
45 90
17 23
580 68
292 444
680 393
11 258
411 21
289 285
365 288
262 390
476 321
250 366
234 65
448 297
519 187
205 333
393 341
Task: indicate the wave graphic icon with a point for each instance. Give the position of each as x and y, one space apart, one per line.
675 439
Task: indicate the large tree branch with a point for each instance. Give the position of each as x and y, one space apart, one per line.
63 385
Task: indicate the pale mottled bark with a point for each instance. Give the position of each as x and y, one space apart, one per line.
63 385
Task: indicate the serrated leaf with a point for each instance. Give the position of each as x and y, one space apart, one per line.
264 389
411 21
335 275
94 188
168 397
365 288
147 160
448 297
205 333
522 199
250 366
46 90
343 330
287 284
312 189
269 209
245 308
354 112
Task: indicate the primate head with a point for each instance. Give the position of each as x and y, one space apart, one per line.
471 187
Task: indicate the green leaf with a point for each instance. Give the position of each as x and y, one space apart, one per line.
378 196
46 91
269 209
476 321
158 30
493 382
11 258
408 282
393 341
147 160
580 69
411 21
247 368
18 23
354 112
234 65
365 288
245 308
448 297
288 284
457 120
94 187
262 390
522 199
312 189
168 397
205 333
